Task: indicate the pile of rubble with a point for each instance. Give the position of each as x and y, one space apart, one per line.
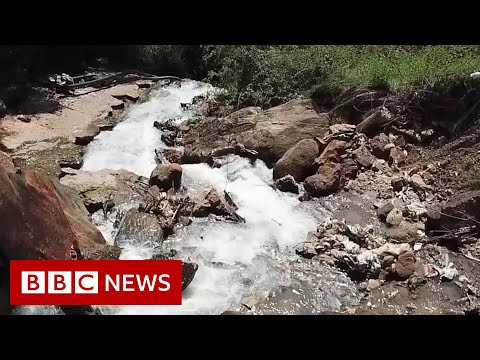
361 253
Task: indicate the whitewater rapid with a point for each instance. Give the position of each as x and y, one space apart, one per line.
236 261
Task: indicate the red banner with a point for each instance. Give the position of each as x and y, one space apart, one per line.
96 282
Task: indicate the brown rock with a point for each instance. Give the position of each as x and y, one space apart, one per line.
332 153
6 163
208 201
325 182
169 156
297 161
363 157
449 215
378 146
405 265
49 226
167 176
397 156
271 132
418 184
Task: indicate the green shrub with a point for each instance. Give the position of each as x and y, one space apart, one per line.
267 75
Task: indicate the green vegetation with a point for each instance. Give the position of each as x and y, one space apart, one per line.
268 75
264 75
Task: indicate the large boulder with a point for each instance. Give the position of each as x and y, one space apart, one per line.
98 189
297 161
271 132
42 219
139 228
167 176
6 162
325 182
462 210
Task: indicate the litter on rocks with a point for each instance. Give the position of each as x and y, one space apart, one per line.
446 270
417 246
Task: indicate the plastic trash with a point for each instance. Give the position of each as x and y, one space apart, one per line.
475 75
417 246
446 270
449 273
430 270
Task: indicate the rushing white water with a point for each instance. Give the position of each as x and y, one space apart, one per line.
131 144
235 260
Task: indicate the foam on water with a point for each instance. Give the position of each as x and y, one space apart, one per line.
131 144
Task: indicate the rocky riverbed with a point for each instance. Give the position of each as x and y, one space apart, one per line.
278 211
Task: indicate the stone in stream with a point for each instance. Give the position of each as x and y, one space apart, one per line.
139 227
166 176
297 161
188 273
189 269
167 139
208 201
287 184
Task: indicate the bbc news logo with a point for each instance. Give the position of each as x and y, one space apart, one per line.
95 282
